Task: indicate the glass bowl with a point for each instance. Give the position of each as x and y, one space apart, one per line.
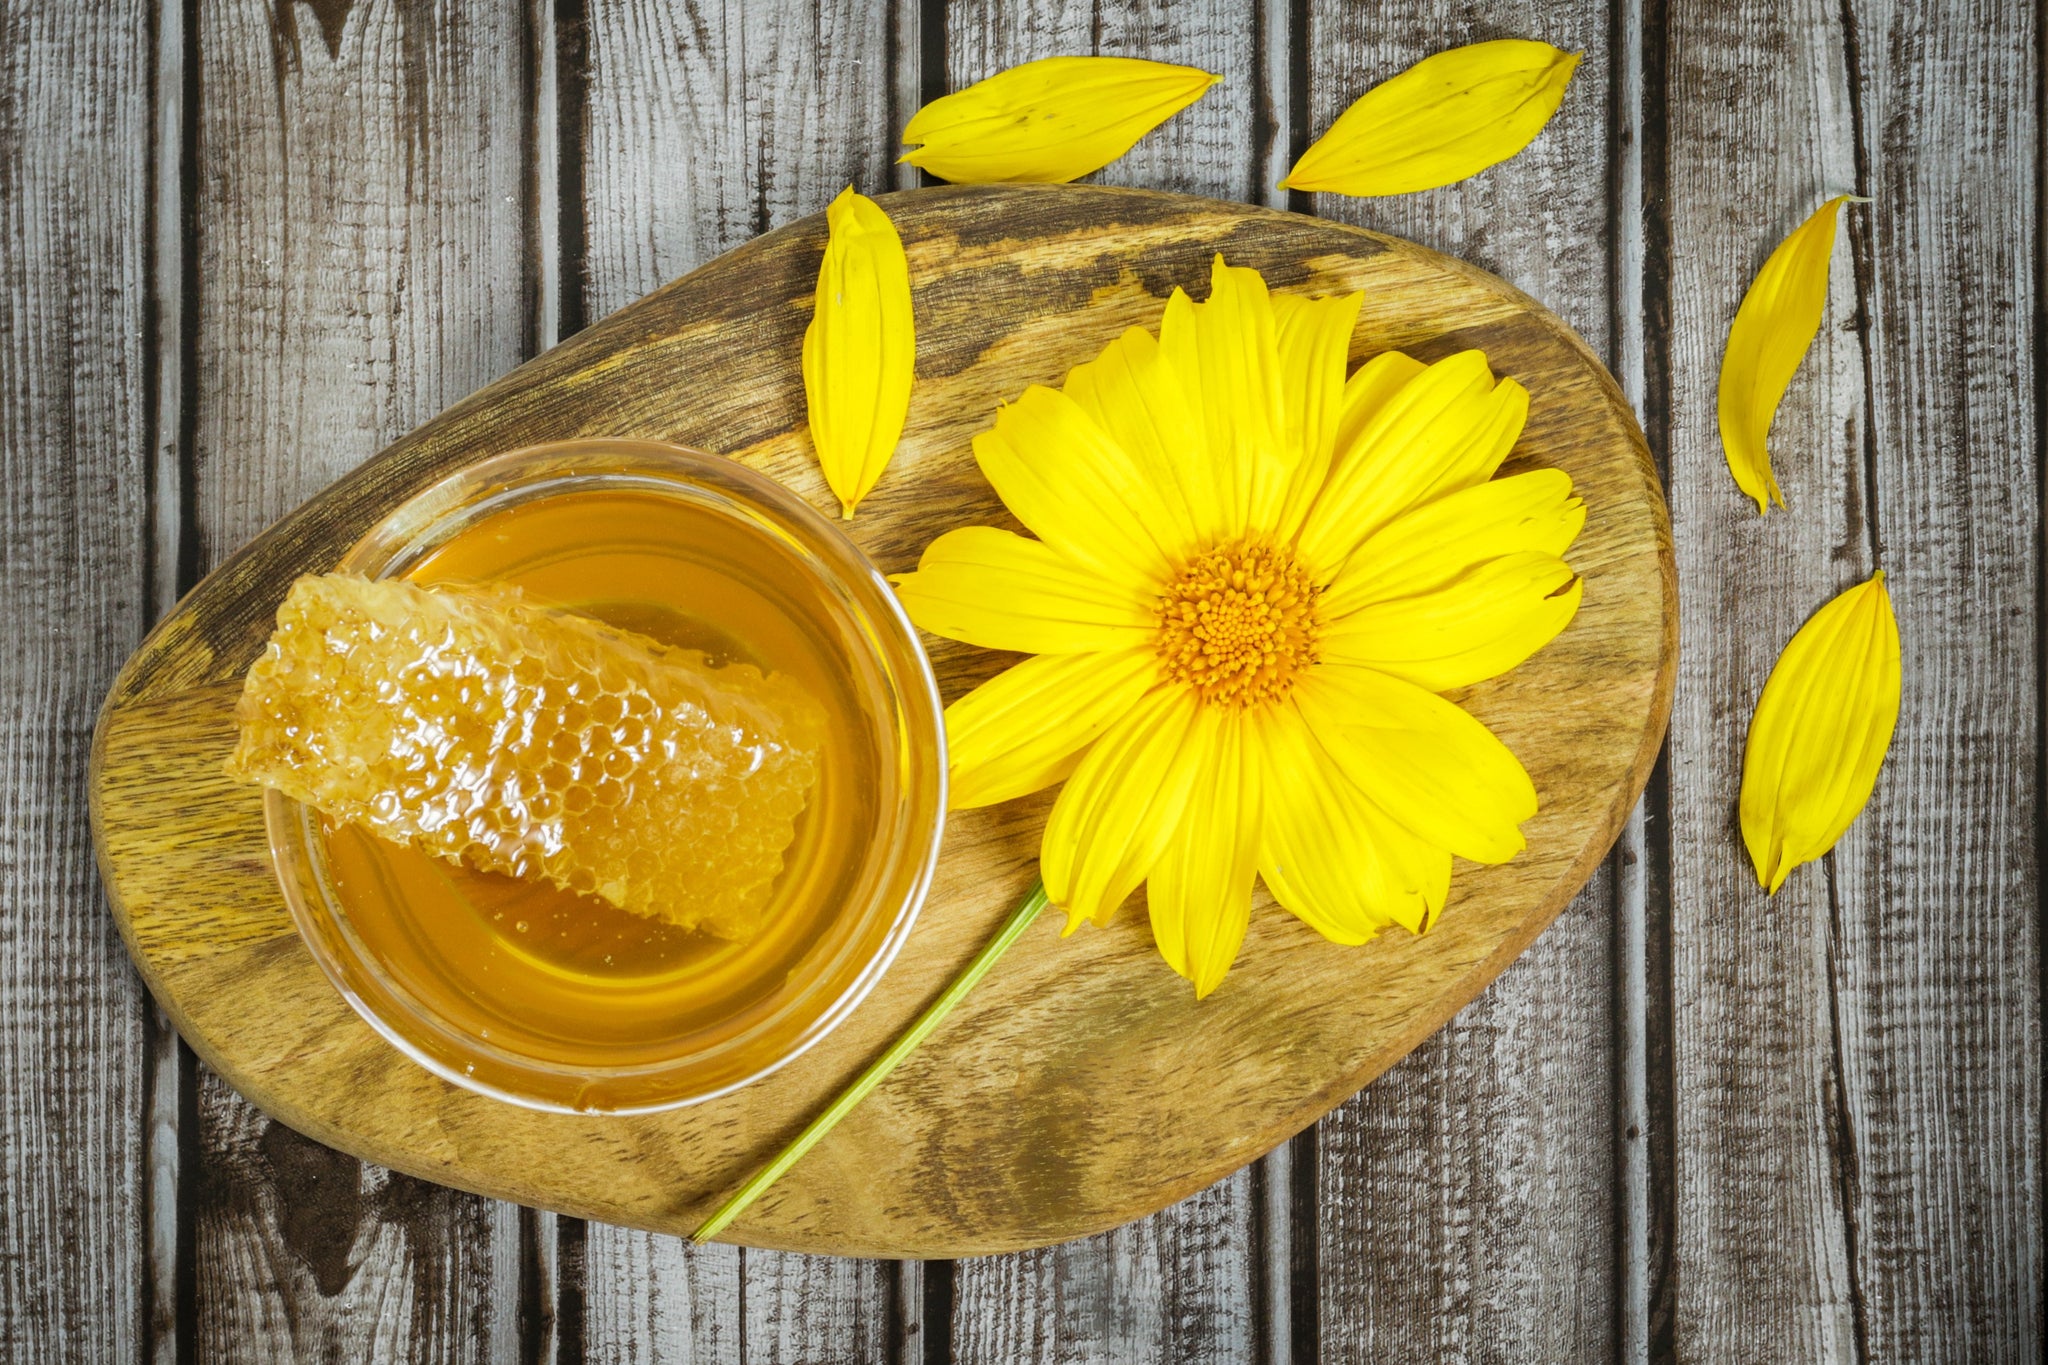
856 874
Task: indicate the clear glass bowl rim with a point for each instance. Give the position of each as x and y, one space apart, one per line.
296 862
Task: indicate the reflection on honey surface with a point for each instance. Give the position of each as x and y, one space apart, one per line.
573 980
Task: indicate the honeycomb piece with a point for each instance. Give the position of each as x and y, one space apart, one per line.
517 739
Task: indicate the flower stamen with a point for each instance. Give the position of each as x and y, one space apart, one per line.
1239 624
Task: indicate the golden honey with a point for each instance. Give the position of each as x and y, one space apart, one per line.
500 980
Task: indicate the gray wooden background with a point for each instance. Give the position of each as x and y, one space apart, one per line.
247 242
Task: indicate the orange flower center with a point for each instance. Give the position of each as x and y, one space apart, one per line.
1239 624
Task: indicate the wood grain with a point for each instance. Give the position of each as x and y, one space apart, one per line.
652 1300
1185 1284
1212 148
1179 1286
1924 964
359 252
74 441
1017 284
710 125
1762 1231
1936 932
1480 1169
702 128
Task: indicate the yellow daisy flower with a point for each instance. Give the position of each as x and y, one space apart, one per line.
1251 580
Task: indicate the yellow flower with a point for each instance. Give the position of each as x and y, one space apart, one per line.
1446 117
1049 121
1820 732
1774 328
860 348
1251 578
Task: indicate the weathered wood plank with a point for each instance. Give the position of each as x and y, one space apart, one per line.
74 437
1935 936
1217 147
653 1300
1182 1285
361 266
304 1253
1467 1201
1177 1286
1760 129
701 129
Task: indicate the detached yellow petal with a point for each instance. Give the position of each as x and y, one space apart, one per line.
860 348
1049 121
1820 732
1774 328
1446 117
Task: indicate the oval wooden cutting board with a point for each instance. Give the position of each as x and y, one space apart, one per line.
1082 1085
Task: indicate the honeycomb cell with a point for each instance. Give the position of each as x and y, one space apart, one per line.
484 728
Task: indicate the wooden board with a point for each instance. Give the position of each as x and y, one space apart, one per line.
1018 1124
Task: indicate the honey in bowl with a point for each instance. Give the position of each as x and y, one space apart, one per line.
540 989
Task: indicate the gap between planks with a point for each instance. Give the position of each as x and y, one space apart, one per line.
168 1065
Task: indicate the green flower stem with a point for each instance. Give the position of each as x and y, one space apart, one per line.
970 976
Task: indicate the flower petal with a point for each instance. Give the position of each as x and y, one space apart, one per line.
860 349
1447 429
1115 815
1227 353
1371 387
1048 121
996 589
1426 763
1027 727
1432 545
1136 398
1820 732
1477 626
1774 328
1315 348
1327 853
1200 891
1447 117
1075 487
